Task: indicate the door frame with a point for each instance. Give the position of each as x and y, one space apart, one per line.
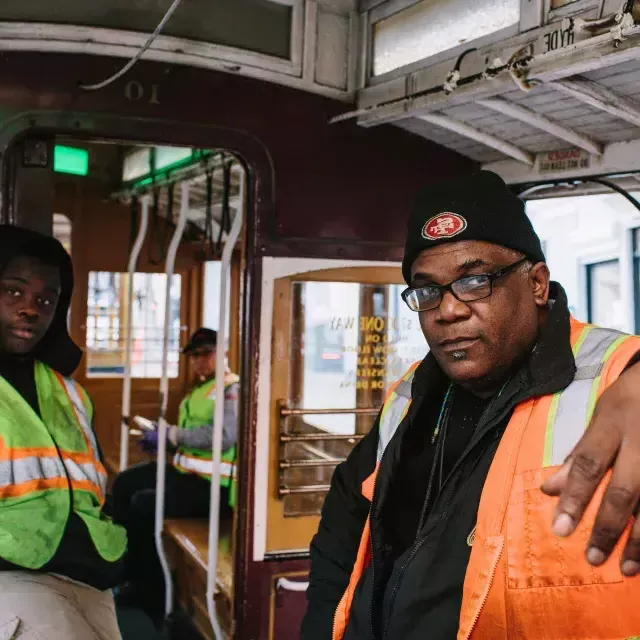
260 194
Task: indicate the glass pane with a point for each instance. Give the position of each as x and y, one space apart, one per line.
555 4
212 282
107 309
263 26
62 230
349 342
136 164
432 26
605 304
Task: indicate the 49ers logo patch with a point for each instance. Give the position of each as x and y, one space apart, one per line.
444 225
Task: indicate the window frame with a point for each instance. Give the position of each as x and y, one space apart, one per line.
635 265
589 268
391 7
102 375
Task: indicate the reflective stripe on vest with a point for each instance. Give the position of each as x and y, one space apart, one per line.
21 475
520 576
565 421
394 409
203 466
40 462
572 409
95 472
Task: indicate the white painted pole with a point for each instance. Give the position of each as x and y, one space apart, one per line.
214 508
164 397
126 381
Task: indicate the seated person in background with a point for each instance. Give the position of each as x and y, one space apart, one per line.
59 553
187 488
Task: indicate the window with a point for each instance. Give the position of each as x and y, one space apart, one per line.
263 26
636 277
604 304
212 282
107 303
348 342
432 26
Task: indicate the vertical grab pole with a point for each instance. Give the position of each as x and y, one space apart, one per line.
126 382
164 397
214 509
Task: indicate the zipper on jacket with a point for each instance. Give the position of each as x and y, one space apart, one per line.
422 540
412 555
485 596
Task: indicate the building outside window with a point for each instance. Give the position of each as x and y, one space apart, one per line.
107 311
587 246
604 302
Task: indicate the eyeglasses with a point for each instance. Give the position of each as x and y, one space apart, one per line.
466 289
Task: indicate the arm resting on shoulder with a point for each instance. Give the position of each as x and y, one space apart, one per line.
335 546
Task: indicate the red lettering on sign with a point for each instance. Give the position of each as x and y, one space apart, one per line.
565 154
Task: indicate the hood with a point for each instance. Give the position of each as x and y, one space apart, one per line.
56 349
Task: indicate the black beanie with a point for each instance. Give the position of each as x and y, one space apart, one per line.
479 206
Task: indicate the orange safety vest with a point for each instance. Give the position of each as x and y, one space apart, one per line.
522 582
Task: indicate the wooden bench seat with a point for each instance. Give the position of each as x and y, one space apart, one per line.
186 542
192 536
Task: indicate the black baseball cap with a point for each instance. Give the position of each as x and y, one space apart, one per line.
202 338
477 206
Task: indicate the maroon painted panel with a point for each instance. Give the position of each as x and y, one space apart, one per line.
334 182
288 611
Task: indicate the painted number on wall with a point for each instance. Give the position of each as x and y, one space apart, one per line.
135 91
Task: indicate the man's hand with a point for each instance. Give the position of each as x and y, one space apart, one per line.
149 441
612 440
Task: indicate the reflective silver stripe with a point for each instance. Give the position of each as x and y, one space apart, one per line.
202 465
75 396
81 411
85 471
590 372
571 417
33 468
393 412
22 470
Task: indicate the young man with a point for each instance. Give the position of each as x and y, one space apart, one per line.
188 478
59 554
436 526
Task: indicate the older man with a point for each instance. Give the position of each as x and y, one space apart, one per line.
436 525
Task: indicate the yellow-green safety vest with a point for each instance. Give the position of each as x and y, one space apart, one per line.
196 410
43 462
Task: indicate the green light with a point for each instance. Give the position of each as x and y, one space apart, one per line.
70 160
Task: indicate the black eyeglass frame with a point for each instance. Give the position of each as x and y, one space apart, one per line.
491 278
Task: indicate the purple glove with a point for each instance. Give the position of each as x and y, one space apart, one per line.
149 441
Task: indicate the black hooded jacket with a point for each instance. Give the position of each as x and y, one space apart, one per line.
412 589
76 556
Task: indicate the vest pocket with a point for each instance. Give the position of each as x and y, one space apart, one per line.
537 558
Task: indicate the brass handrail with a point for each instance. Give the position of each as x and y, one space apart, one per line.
285 412
305 463
305 488
319 437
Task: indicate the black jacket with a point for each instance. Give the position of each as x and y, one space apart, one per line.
418 594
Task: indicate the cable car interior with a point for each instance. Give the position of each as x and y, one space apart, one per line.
172 211
258 183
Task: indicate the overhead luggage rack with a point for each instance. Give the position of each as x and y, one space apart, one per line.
557 94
